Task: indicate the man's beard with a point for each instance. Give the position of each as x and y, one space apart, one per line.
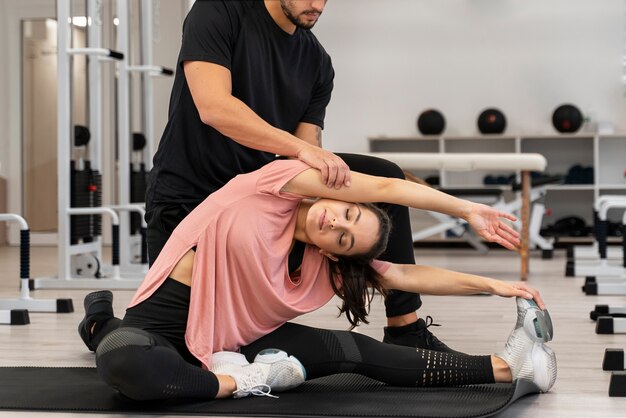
294 19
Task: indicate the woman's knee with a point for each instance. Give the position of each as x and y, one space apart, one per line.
373 165
386 168
129 361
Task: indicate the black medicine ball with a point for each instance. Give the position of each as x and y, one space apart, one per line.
567 118
491 121
431 122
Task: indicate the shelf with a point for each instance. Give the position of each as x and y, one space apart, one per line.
603 152
571 187
481 138
612 186
404 138
560 136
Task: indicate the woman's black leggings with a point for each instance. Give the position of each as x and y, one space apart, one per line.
146 358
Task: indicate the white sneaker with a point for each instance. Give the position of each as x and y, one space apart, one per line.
272 370
286 372
223 362
537 322
525 352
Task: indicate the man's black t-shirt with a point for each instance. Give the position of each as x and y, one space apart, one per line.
285 79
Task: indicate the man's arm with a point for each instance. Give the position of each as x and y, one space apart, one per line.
211 88
310 133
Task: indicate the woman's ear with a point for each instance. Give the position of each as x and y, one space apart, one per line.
329 255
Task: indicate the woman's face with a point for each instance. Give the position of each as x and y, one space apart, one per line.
341 228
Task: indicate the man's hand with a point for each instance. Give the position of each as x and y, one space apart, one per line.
335 172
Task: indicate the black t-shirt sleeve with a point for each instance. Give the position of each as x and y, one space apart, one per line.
208 33
316 111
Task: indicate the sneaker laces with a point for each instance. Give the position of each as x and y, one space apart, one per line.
258 390
430 337
250 385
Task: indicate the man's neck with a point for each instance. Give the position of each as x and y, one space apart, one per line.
274 9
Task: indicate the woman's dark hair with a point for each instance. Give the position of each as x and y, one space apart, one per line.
354 280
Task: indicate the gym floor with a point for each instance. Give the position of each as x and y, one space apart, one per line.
474 324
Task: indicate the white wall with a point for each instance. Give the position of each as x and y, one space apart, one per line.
4 146
166 44
395 58
12 12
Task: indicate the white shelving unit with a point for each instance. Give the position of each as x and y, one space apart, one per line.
605 153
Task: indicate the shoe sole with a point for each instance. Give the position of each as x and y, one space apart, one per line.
538 323
84 325
544 360
96 297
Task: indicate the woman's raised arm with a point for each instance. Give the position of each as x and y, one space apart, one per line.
487 221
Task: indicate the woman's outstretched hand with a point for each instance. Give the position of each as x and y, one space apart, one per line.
521 289
489 224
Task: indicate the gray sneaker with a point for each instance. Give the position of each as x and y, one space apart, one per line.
272 370
525 351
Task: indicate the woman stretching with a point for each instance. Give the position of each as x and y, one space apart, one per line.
260 252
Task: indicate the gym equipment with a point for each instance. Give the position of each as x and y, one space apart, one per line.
617 384
569 226
524 162
602 267
613 359
500 180
16 311
606 310
613 278
491 121
459 228
431 122
132 175
578 174
594 260
73 243
567 118
138 184
610 325
80 390
592 252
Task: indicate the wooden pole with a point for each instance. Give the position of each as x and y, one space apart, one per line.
525 238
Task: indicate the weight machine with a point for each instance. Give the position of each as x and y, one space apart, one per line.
79 240
132 174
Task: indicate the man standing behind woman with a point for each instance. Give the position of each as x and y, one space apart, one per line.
253 82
